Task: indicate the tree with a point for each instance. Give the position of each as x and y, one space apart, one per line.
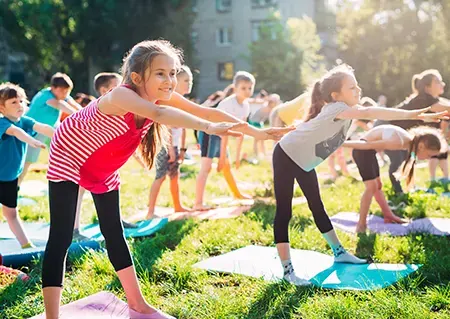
73 35
285 58
387 42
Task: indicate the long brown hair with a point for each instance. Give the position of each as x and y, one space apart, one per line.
322 89
432 140
424 80
138 60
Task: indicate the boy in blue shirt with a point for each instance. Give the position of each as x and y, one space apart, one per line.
15 135
46 107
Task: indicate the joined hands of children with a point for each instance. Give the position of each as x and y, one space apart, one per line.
225 128
274 133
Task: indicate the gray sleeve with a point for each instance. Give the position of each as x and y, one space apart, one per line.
334 109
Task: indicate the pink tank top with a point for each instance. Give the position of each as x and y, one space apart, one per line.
89 147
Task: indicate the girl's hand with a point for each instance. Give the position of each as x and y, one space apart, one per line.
224 128
181 156
172 156
274 133
433 117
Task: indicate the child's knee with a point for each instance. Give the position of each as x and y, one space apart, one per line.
10 213
371 186
379 184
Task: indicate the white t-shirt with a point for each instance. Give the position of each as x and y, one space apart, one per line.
313 141
232 107
176 136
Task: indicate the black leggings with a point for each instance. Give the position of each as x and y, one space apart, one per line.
396 158
285 171
63 204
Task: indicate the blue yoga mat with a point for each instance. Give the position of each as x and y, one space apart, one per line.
320 269
14 256
145 228
39 231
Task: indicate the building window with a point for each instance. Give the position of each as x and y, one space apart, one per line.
225 71
259 26
263 3
194 6
223 5
224 36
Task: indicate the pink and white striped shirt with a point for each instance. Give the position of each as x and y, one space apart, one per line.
89 147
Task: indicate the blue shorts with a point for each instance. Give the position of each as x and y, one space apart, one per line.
209 145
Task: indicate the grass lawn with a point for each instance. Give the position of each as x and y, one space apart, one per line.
164 262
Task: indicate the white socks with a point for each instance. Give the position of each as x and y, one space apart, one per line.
340 254
290 276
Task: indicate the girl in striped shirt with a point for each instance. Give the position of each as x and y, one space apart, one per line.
91 145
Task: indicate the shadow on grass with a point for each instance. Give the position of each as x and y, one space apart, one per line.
365 248
265 213
278 300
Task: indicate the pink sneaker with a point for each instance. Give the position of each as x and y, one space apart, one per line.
156 315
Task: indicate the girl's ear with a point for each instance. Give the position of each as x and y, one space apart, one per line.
136 78
334 95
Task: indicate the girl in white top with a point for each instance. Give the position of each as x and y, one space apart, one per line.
334 104
421 143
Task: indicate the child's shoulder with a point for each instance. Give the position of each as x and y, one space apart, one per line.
330 107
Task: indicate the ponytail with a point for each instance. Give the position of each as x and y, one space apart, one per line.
157 135
317 102
411 157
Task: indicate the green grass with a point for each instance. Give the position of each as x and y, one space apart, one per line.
164 262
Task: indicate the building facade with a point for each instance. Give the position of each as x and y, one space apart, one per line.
224 29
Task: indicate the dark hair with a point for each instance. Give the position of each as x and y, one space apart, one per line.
322 89
424 80
61 80
138 60
104 79
11 91
431 138
86 100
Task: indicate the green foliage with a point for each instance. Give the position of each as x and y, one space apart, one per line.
387 42
285 58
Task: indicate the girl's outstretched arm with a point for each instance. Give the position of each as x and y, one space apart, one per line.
373 145
381 113
215 115
129 101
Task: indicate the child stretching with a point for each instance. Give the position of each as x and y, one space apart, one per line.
90 146
46 107
334 103
15 135
421 143
168 160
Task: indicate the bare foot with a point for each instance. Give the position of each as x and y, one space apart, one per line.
243 196
143 308
150 215
202 208
361 228
182 209
393 219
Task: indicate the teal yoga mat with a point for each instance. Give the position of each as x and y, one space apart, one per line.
145 228
320 269
14 256
39 231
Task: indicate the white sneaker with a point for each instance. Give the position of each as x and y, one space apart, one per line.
293 279
349 259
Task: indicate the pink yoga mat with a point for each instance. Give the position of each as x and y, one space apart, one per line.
347 221
101 305
216 213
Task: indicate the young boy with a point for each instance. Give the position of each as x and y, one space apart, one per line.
46 107
15 134
238 106
105 81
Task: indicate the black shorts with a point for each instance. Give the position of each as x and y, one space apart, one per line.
367 163
442 156
8 193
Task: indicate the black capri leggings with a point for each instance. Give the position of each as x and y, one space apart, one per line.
285 171
63 204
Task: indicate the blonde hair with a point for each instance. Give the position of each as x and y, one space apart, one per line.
243 76
138 60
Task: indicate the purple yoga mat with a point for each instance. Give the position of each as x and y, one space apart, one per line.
101 305
347 221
